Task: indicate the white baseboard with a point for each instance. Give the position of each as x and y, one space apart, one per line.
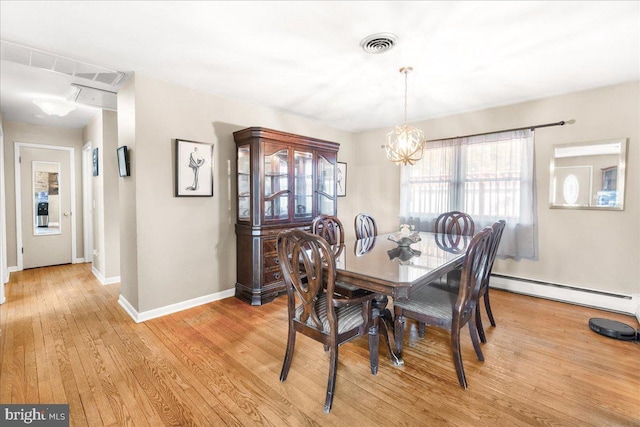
105 280
9 271
78 260
173 308
627 304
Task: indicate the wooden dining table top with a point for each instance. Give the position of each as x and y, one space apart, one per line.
391 263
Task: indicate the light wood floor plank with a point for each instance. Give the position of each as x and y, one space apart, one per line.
65 339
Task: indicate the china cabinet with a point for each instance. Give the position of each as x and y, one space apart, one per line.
283 181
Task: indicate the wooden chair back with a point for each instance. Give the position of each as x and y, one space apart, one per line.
455 222
498 228
473 273
330 229
365 226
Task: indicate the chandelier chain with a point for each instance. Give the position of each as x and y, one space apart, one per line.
406 72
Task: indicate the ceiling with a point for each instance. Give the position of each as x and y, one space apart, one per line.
305 58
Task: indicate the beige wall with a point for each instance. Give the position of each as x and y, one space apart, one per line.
372 183
182 248
584 248
46 135
102 132
127 195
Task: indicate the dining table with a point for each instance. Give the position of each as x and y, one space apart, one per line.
394 263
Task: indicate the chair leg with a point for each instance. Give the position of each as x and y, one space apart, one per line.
479 326
487 305
457 356
374 346
453 278
398 332
473 331
333 368
291 343
421 329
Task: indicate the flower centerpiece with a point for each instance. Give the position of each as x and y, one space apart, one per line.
405 229
405 237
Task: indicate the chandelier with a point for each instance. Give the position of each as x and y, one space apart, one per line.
405 144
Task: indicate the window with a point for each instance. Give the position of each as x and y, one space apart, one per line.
490 177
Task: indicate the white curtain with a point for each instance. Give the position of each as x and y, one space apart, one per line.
490 177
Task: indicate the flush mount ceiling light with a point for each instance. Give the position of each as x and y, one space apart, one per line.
55 107
378 43
405 144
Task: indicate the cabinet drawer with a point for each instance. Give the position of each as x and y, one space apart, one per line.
272 274
271 261
269 246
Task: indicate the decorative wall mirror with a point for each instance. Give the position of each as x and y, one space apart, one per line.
46 198
588 175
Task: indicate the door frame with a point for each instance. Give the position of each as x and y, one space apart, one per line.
87 202
18 186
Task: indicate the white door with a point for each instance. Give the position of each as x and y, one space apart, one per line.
45 192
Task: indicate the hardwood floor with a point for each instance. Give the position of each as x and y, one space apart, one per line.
65 339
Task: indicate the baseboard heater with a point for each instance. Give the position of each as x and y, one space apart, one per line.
603 300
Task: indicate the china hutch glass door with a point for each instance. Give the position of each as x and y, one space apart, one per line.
326 186
244 182
303 176
276 185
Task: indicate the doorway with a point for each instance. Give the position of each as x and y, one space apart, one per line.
45 204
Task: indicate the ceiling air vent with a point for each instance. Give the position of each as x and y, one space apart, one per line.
379 43
48 61
93 97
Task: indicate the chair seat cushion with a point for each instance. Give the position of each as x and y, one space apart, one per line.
434 299
349 317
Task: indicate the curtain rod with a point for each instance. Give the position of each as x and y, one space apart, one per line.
562 123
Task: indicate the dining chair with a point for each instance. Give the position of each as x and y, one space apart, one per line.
451 224
452 243
330 228
308 267
365 226
455 222
437 305
498 228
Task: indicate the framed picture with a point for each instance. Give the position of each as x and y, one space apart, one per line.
341 179
194 169
123 161
95 161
